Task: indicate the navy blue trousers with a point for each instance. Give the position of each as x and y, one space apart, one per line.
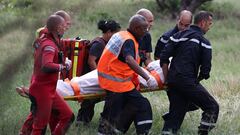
182 99
121 109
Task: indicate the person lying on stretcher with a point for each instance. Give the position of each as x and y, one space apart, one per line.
88 83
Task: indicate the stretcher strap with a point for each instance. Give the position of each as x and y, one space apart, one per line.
76 89
157 77
75 60
136 82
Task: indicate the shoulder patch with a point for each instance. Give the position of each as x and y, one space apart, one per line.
49 48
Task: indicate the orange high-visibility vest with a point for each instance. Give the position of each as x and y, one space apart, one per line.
113 74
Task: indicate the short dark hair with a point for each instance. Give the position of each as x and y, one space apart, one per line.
62 13
202 15
106 25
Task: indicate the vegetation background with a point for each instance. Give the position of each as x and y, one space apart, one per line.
20 19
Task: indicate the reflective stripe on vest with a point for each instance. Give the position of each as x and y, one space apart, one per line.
114 78
113 74
75 60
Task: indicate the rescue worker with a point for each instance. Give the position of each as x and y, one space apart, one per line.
145 45
64 15
108 28
191 63
118 69
40 33
183 22
42 91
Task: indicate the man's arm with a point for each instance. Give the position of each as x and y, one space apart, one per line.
205 65
165 71
92 62
166 53
162 41
48 66
148 58
94 54
148 42
135 67
128 54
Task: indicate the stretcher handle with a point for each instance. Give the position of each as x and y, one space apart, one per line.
102 94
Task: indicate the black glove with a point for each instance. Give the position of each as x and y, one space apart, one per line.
60 57
201 77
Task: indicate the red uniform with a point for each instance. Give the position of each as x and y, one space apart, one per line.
43 95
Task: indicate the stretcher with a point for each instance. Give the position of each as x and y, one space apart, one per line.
87 87
77 51
102 94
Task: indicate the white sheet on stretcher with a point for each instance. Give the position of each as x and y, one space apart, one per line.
88 83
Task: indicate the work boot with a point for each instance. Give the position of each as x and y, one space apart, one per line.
106 128
165 116
84 116
80 122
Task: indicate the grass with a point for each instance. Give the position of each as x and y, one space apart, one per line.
16 61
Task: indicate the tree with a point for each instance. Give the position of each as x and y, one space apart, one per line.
192 5
174 6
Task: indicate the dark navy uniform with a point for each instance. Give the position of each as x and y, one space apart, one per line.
145 46
163 40
97 46
192 54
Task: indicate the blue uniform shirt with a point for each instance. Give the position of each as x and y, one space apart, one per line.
97 48
128 48
191 52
